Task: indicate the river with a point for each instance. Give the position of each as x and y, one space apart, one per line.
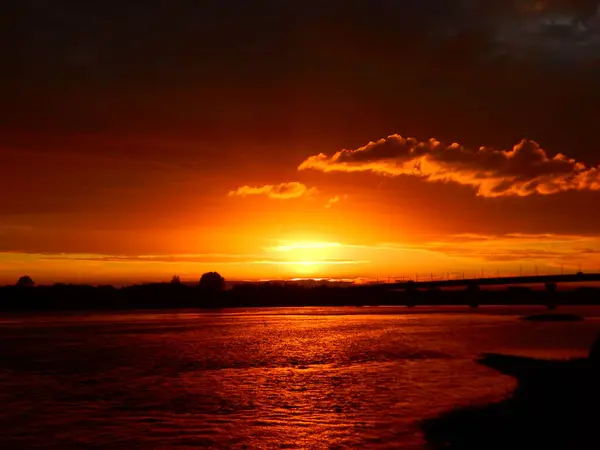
258 378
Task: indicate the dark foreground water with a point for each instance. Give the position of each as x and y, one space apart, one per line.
261 378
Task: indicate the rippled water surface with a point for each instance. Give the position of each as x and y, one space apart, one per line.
260 378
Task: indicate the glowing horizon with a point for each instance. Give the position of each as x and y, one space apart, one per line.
508 254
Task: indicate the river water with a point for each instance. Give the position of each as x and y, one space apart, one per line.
258 378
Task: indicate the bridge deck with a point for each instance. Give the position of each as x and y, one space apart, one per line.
537 279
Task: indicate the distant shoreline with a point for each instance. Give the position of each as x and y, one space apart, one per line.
159 296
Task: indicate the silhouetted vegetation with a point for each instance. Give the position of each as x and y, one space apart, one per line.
553 407
212 282
25 281
210 293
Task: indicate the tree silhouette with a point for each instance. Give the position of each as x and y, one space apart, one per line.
25 281
212 281
175 280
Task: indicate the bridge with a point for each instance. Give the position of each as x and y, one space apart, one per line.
550 281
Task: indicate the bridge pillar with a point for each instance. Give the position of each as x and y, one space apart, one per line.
473 290
551 302
410 286
473 287
411 293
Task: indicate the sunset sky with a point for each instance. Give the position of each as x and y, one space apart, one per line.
268 139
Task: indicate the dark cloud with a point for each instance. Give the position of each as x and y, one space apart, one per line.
559 31
526 169
160 40
215 66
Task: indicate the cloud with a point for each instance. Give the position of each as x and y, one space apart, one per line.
185 258
195 259
503 254
524 170
290 246
281 191
333 200
9 228
516 237
552 30
331 261
517 247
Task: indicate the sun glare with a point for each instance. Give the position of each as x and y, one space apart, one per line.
291 246
306 257
306 267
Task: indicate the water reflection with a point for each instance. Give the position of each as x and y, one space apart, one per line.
255 380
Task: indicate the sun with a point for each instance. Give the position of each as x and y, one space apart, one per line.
306 257
307 268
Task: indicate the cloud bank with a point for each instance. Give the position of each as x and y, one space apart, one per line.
281 191
524 170
194 259
516 247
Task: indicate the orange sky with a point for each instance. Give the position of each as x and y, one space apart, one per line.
282 223
383 139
